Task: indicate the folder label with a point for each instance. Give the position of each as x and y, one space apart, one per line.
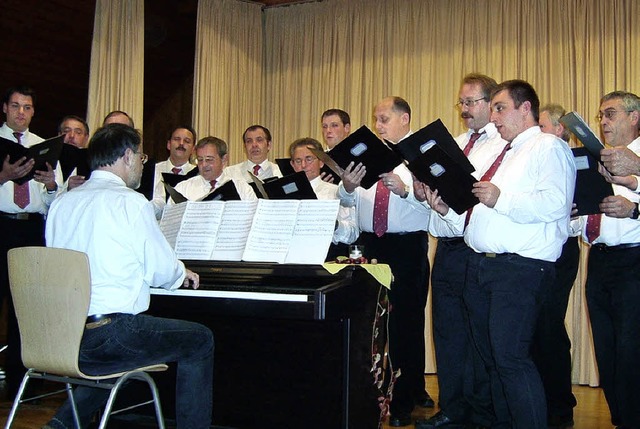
359 149
582 162
436 169
426 146
290 188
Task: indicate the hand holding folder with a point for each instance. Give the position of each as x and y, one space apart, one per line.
42 153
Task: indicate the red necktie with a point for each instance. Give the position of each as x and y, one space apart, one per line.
213 184
21 192
593 226
381 209
488 175
472 140
256 169
176 170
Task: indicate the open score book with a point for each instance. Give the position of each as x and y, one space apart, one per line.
282 231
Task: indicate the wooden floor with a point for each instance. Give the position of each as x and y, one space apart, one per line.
591 412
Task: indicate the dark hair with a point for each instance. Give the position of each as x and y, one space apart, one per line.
110 142
267 133
75 118
185 127
401 105
219 144
20 89
344 116
520 91
304 142
486 83
118 112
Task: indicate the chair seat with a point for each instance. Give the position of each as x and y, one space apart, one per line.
150 368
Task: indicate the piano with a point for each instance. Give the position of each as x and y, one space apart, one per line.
292 343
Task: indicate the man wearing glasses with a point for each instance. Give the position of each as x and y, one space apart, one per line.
613 288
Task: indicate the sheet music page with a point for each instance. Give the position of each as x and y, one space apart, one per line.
171 221
234 230
199 229
271 231
313 231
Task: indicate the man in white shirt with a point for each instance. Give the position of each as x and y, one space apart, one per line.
613 288
302 159
396 236
116 227
257 144
517 232
22 208
336 126
180 145
465 390
212 158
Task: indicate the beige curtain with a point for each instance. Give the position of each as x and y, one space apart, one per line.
116 81
228 71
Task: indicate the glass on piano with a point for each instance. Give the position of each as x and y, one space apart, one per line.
356 254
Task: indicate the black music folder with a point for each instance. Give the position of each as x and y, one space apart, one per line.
147 181
361 146
417 143
225 192
44 152
437 169
295 186
73 157
591 186
581 130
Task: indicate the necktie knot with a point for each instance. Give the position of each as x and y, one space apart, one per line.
213 184
256 169
18 136
176 170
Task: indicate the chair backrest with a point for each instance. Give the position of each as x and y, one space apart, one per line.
51 289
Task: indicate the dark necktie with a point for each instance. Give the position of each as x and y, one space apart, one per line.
21 192
213 185
381 209
256 170
176 170
593 226
488 175
472 141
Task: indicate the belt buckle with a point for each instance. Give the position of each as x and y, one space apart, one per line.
490 255
22 216
97 324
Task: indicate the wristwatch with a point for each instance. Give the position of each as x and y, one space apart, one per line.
635 214
407 189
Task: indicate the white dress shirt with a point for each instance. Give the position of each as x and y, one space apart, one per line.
116 227
39 198
347 230
197 187
159 194
531 216
241 171
615 231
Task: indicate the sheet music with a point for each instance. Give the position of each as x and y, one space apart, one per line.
313 231
171 221
234 230
271 232
199 229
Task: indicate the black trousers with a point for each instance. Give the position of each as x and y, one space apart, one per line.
15 233
406 254
551 348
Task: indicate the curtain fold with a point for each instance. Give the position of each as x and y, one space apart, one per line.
116 80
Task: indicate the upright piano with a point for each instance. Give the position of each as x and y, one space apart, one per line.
292 343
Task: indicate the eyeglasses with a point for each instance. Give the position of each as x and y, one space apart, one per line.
469 103
610 114
307 160
143 157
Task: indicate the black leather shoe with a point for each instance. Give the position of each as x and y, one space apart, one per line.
560 422
399 420
438 420
424 400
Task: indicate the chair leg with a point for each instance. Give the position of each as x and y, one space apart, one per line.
17 399
74 407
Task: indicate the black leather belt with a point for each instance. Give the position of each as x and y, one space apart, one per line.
97 320
22 216
605 248
451 240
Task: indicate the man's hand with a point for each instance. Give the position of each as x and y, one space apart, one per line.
629 182
486 192
75 181
15 170
419 189
435 202
394 183
620 161
47 178
617 206
327 177
352 176
191 279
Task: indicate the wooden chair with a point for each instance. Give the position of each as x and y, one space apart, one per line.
51 289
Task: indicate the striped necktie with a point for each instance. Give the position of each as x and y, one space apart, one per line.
21 192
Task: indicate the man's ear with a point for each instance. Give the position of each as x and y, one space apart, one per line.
225 160
347 128
128 156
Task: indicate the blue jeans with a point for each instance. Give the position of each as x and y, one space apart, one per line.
132 341
503 295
